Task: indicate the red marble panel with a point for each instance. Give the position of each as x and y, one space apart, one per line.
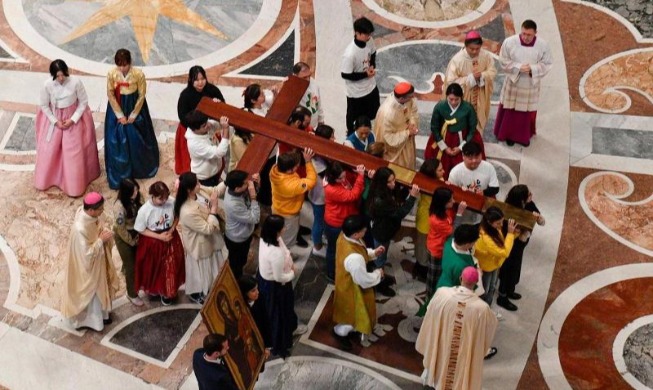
589 331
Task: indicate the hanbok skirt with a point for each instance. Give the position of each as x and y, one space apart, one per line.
280 304
70 159
182 156
130 150
452 140
201 273
160 265
515 126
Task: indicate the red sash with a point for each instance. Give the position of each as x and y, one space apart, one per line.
117 90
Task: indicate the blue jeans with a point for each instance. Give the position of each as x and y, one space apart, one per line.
318 224
332 234
381 260
490 285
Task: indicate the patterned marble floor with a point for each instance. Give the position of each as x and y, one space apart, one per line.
584 319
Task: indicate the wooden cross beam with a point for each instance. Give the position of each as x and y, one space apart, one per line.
260 146
352 157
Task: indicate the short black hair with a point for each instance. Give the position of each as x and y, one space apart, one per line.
472 148
235 179
287 161
353 224
213 343
196 119
363 25
529 25
271 228
465 234
298 114
324 131
56 66
298 67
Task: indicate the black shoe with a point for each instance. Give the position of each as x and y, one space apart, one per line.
514 296
345 343
385 289
166 301
509 142
108 321
419 272
490 355
304 231
196 298
506 304
301 242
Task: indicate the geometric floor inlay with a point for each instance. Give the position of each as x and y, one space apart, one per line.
156 335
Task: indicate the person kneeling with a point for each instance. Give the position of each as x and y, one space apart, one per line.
354 307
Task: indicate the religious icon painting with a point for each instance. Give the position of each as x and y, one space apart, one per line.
225 312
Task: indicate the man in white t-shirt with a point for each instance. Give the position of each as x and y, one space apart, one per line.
358 69
312 98
474 174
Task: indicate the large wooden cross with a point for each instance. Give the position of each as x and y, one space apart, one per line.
273 128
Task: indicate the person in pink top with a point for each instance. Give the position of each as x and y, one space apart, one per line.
66 148
341 200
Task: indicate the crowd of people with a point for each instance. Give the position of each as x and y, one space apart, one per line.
178 236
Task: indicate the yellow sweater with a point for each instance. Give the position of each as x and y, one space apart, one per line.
490 256
288 189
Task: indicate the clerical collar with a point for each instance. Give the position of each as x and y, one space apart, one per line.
360 44
527 44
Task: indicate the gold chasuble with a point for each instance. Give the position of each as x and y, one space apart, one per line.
456 333
391 127
459 70
351 303
89 270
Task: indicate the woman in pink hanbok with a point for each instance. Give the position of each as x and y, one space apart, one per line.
66 148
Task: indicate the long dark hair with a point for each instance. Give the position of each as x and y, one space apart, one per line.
518 196
491 215
56 66
245 135
441 197
271 228
125 192
379 188
187 182
252 92
193 73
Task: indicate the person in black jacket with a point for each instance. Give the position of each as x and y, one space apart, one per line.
386 214
249 288
209 366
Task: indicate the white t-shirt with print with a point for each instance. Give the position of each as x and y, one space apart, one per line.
356 60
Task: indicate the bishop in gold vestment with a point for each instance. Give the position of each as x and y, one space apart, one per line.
456 333
463 69
90 280
396 124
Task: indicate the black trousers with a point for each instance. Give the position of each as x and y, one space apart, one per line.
238 252
510 271
367 105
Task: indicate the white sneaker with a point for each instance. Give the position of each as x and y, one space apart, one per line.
301 329
320 252
136 301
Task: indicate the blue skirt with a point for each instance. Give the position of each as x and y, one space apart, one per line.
280 304
131 150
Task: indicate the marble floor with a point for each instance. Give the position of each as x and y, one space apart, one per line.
585 319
